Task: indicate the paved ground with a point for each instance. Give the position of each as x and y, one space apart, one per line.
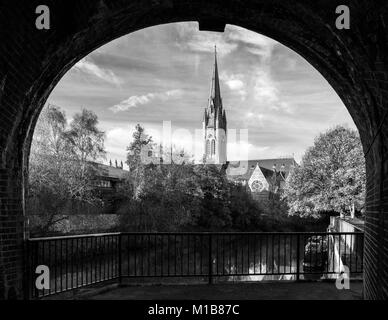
234 291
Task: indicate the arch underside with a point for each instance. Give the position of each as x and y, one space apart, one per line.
353 61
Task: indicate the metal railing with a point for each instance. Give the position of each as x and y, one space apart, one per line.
78 261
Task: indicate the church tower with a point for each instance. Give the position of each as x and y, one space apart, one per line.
214 123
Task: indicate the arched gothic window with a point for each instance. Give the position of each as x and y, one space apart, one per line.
208 147
213 147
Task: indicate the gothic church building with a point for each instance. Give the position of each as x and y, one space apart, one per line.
214 123
263 177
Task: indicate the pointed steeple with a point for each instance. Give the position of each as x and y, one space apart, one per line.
215 92
214 122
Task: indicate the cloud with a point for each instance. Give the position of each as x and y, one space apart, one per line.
238 151
266 88
116 142
136 101
250 37
88 66
267 93
256 118
255 43
205 43
235 83
132 102
189 38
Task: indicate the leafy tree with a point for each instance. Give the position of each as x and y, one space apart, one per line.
86 144
59 171
169 196
138 150
214 195
162 198
86 140
141 144
47 165
175 155
246 213
331 177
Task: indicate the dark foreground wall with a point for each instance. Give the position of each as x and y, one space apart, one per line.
355 62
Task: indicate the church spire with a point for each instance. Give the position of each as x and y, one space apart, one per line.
215 93
214 122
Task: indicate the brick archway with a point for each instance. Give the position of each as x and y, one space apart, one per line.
32 61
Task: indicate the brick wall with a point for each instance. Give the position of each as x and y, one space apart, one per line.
375 254
353 61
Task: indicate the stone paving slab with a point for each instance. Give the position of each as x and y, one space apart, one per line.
235 291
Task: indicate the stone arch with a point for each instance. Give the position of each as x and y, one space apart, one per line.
353 61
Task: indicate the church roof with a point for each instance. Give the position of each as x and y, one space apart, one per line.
266 163
266 166
278 162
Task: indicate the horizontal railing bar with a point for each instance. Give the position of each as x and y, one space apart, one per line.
91 235
190 233
240 233
234 274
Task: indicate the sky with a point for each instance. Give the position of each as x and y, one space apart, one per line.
163 73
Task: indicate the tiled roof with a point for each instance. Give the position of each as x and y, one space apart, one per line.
107 171
266 166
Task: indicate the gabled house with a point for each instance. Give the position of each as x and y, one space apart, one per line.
107 178
263 177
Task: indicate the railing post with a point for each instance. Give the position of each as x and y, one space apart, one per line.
119 245
210 259
298 258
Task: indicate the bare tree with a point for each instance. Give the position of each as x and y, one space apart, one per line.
60 171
